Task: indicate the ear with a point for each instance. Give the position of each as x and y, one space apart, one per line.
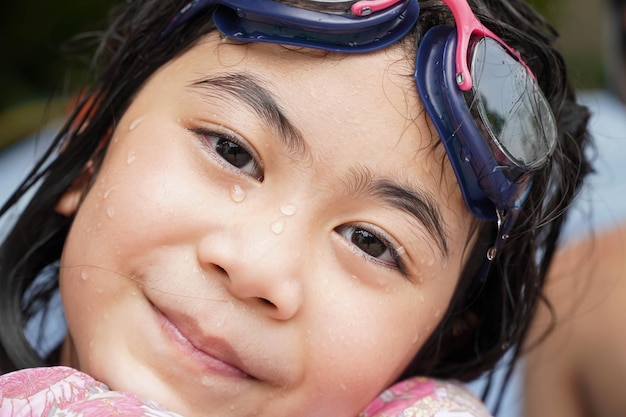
68 203
71 198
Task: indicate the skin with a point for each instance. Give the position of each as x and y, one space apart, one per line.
579 370
228 290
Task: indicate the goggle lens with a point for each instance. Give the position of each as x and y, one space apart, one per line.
509 107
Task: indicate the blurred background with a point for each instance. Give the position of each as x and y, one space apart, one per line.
36 63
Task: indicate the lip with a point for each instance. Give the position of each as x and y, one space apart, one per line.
215 355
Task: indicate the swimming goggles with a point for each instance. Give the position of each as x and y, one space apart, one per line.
495 123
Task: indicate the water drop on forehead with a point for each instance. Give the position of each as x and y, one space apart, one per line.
237 194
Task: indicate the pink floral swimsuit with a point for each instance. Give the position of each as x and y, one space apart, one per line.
66 392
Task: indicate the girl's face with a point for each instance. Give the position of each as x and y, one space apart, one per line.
271 233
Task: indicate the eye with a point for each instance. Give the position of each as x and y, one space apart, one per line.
231 150
373 245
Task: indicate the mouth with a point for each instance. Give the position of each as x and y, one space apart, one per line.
212 355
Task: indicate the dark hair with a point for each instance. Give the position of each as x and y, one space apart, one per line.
476 330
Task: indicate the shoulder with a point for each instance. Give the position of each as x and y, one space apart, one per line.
424 397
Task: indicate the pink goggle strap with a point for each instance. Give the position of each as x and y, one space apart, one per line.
467 25
367 7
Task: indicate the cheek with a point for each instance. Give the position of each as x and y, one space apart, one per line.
361 348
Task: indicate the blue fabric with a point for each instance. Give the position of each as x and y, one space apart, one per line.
47 329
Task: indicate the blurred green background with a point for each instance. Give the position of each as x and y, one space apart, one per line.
34 64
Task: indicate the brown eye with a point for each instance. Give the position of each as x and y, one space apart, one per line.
372 245
232 151
368 243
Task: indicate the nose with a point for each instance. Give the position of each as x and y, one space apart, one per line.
261 262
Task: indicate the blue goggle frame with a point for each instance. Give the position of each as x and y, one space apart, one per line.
493 182
274 22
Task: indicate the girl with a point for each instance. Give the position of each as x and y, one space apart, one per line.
281 208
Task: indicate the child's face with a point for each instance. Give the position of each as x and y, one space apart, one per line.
230 258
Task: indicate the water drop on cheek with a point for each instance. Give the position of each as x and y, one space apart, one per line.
207 382
135 123
131 157
278 226
84 276
110 212
237 194
288 210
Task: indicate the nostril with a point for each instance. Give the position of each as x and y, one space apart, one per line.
267 302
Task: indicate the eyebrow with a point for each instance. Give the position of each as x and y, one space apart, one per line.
250 91
411 200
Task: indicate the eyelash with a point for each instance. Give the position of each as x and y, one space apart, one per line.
394 249
206 138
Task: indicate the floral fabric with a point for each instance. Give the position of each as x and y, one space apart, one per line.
65 392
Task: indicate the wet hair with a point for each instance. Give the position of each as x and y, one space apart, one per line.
481 323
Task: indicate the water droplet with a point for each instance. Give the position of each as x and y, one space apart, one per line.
288 210
135 123
421 298
401 251
110 212
131 157
207 382
99 290
84 276
466 154
438 313
237 194
232 407
278 226
107 193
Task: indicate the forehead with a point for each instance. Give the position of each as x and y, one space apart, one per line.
366 94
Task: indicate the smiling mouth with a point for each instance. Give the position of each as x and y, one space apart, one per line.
216 359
